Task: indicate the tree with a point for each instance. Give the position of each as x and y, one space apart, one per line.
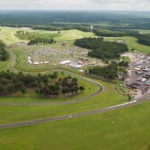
23 89
3 53
102 49
82 88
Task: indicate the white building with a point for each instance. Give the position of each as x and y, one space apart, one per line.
65 62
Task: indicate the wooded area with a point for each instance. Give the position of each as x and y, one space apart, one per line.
3 53
102 49
45 85
35 38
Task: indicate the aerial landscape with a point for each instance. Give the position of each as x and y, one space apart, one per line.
74 75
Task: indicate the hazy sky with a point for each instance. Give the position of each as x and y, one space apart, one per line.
75 4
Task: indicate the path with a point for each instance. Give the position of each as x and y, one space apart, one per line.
13 64
70 116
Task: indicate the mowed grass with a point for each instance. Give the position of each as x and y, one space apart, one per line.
8 35
144 31
108 97
132 43
141 31
73 34
122 129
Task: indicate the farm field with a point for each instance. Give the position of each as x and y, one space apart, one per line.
126 128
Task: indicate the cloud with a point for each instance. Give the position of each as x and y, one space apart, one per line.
123 4
76 4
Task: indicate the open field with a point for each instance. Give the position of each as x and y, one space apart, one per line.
141 31
8 35
73 34
132 43
108 97
126 129
144 31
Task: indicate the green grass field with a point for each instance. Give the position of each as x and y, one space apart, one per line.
141 31
108 97
73 34
8 34
123 129
126 129
132 43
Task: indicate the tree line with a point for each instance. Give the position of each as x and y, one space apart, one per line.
110 72
102 49
4 56
44 85
144 39
114 33
35 38
111 19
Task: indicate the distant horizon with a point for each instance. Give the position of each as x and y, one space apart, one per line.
63 10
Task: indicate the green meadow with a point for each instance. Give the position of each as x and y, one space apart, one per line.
132 43
126 129
121 129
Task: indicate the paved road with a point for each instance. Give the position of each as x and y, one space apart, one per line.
70 116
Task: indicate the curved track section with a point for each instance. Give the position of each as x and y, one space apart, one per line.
71 116
100 88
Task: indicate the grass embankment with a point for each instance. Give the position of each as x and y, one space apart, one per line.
126 129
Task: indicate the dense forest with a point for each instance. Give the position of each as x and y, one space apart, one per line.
62 26
144 39
44 85
114 33
102 49
3 53
108 72
108 19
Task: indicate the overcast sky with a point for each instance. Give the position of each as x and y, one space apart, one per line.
75 5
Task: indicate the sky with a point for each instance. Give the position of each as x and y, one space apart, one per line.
137 5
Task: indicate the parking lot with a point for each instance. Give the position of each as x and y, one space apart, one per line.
139 75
